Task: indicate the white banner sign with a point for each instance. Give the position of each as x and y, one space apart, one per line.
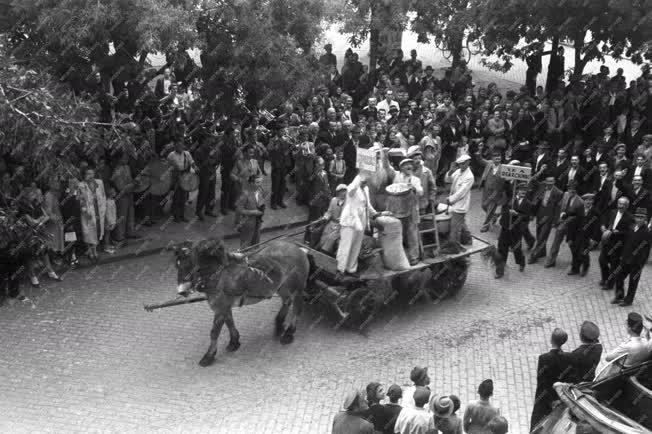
366 159
517 173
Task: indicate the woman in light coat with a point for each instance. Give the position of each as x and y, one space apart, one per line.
92 199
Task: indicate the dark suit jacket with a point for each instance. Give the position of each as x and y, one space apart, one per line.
632 141
320 191
536 167
636 248
580 177
616 241
646 173
584 361
640 199
553 366
518 222
551 210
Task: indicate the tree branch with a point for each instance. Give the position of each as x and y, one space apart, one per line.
14 109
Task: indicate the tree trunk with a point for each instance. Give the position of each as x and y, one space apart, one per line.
374 41
551 79
580 62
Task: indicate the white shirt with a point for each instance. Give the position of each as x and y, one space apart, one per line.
598 155
414 421
461 183
386 105
619 215
602 180
638 170
357 207
571 173
636 348
539 158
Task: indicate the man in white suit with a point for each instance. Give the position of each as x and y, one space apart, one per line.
354 221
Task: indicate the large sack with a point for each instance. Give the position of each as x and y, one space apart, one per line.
391 241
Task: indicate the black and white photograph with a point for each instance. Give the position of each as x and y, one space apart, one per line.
326 216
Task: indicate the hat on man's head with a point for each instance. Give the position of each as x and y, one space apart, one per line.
463 158
588 196
418 374
521 186
543 144
514 163
442 406
413 150
589 331
429 68
620 145
355 129
352 397
641 212
405 161
395 391
340 188
634 319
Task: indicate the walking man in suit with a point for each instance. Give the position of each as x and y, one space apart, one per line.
584 236
546 203
570 213
614 228
553 366
636 250
514 218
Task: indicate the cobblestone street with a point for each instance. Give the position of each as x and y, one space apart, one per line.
84 356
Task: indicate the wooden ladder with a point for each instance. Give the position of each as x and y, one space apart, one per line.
434 246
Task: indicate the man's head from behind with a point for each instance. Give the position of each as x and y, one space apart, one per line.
421 396
558 338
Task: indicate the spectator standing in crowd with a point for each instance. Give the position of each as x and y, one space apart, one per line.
419 377
553 366
459 200
386 419
54 222
320 191
416 419
586 357
636 347
331 234
250 209
92 198
635 253
227 156
328 58
181 162
207 165
350 420
479 413
279 156
124 184
443 410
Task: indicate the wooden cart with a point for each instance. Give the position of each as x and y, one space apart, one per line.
356 299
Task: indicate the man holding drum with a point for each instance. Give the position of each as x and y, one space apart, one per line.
181 162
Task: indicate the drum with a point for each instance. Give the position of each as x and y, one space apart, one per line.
400 200
160 174
189 181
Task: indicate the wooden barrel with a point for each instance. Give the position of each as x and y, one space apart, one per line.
400 200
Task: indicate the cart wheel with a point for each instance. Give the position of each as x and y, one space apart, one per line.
448 278
360 305
413 286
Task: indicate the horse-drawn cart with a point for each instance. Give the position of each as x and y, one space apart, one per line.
355 299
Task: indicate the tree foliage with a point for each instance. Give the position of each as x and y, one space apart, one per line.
258 52
618 28
44 125
114 36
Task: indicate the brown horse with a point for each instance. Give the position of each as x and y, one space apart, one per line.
233 280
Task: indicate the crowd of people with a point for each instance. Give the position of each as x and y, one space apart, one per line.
417 409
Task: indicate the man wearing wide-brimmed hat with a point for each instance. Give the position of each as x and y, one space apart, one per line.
636 250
